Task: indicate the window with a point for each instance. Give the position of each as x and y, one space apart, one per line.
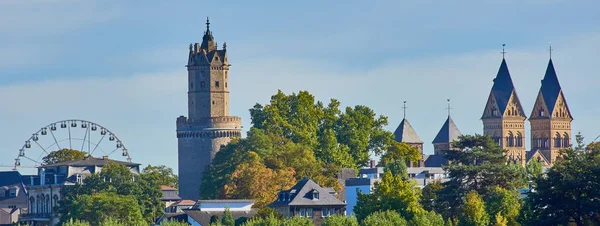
315 195
327 212
309 212
13 192
217 83
12 207
557 140
302 212
566 142
225 85
213 102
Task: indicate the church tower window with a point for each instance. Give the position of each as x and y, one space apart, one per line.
217 83
557 140
566 141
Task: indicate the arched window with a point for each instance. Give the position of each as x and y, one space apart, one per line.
37 204
557 140
510 140
566 142
31 204
54 200
519 140
48 202
545 141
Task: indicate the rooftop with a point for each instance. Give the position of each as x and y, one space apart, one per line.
91 161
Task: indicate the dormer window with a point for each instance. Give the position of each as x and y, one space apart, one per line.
13 192
315 195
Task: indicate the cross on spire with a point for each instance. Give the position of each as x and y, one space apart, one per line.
550 49
207 23
503 52
449 108
404 107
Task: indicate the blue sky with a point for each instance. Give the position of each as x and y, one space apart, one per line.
121 64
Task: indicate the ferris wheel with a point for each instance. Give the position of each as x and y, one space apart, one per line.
75 134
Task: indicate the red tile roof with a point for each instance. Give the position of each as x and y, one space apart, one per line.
167 188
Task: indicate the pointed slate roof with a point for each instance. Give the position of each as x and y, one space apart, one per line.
448 133
550 87
300 195
405 133
503 87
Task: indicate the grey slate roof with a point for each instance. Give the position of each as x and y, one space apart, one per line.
91 161
503 87
405 133
203 217
169 195
435 160
550 87
10 178
448 133
300 195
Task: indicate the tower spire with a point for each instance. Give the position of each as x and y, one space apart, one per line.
503 52
449 108
550 49
207 24
404 107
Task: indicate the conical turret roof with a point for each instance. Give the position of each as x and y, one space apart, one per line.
405 133
448 133
503 86
550 87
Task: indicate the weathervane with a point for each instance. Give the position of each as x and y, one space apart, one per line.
550 49
503 52
449 108
404 107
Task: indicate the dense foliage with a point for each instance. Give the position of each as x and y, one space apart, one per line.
63 155
570 191
292 137
163 175
112 192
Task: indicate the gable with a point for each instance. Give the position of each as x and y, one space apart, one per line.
539 108
541 157
514 107
561 109
491 108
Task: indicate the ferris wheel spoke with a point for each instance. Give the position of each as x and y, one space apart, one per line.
98 144
69 129
55 141
41 147
84 136
32 160
112 151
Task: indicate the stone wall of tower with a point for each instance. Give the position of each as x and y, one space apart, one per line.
509 132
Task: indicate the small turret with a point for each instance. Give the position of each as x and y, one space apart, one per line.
208 41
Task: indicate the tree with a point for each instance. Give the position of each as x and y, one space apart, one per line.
227 219
115 179
499 220
164 175
393 193
99 207
255 181
429 195
296 133
173 223
385 218
399 151
297 221
534 170
340 220
478 164
429 218
505 203
569 191
473 211
63 155
72 222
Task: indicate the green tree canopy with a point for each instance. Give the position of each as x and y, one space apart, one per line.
227 219
63 155
99 207
384 218
570 190
393 193
295 133
505 203
479 164
164 175
340 220
473 211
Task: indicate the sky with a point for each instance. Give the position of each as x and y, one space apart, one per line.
122 64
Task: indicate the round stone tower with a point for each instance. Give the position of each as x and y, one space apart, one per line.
209 126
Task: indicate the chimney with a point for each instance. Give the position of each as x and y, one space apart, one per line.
105 157
372 163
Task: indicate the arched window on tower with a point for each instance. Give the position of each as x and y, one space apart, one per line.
557 140
545 142
519 140
31 204
510 139
566 142
541 113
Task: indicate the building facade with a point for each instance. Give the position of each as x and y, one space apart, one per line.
504 118
208 125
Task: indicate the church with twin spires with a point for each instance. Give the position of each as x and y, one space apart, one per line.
504 120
